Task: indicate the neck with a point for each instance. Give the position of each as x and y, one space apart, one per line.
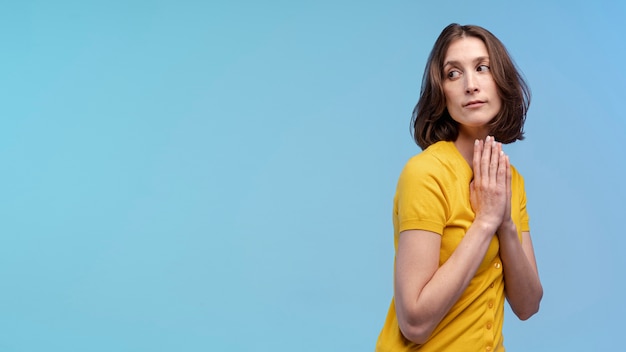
466 148
465 144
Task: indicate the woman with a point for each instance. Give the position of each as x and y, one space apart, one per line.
461 229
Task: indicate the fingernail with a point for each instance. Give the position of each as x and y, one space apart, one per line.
476 142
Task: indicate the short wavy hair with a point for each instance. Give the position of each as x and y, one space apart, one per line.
431 121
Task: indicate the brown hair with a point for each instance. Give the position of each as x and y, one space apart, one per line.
431 121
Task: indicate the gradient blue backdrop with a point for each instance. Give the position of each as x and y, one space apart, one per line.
202 176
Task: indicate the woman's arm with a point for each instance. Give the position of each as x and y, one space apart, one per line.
425 292
521 278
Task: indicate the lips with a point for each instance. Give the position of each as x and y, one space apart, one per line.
473 103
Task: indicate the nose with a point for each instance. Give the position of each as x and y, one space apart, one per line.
471 83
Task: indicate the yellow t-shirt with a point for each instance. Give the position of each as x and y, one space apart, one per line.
433 195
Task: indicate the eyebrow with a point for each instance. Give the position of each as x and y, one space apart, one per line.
456 63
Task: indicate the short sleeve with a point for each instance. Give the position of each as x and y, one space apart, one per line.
524 218
421 202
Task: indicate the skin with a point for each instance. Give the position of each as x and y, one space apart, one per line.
425 291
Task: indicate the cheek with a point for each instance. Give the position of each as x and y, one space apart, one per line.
496 100
449 97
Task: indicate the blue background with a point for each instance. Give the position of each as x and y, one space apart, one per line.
201 176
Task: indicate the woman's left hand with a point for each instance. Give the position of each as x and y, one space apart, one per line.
507 221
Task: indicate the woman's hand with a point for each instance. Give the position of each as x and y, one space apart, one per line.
490 188
507 221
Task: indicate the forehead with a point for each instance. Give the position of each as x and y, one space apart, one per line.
466 49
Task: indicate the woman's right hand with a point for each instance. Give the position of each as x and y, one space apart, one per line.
488 193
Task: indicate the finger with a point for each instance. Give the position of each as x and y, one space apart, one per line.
485 159
509 177
496 150
473 195
508 187
478 148
502 170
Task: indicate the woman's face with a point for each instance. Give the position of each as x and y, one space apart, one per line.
471 93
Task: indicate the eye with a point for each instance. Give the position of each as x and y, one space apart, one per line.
454 74
482 68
